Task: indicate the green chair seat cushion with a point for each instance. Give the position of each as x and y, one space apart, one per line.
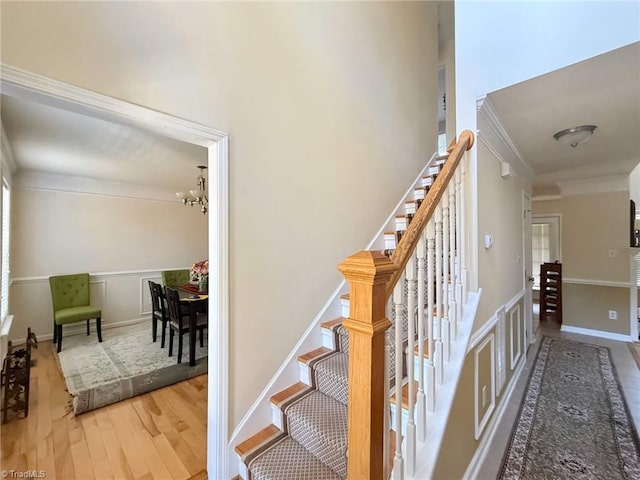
76 314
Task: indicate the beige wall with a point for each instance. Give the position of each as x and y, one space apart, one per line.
331 110
587 306
500 268
592 225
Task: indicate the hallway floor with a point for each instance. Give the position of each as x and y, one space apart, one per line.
628 374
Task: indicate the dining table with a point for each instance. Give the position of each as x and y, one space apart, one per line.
197 303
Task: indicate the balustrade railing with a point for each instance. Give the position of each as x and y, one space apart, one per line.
425 277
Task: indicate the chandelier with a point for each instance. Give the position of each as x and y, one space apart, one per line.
199 195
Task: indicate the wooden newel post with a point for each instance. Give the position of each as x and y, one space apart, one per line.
368 273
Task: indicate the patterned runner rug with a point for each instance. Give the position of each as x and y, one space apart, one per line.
127 363
573 422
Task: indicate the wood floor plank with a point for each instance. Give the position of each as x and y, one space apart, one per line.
62 449
170 458
82 461
160 435
151 456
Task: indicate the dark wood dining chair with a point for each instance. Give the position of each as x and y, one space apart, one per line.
179 322
158 311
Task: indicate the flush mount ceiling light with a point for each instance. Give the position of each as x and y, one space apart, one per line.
199 195
576 135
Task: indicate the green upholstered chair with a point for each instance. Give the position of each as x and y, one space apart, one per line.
70 299
175 278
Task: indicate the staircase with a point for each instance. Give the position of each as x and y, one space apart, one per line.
308 437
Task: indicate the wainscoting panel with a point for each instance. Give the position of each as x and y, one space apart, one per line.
515 330
501 337
124 298
484 383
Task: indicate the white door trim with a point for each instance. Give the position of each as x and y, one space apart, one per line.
21 83
526 269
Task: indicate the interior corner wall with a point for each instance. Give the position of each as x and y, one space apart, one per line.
331 110
595 259
500 267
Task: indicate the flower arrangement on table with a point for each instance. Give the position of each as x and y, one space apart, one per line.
200 273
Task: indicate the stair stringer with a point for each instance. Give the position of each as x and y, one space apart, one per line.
427 452
260 413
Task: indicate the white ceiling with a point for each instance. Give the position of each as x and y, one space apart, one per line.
52 140
602 91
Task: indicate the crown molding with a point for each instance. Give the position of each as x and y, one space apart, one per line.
53 182
498 141
15 81
589 186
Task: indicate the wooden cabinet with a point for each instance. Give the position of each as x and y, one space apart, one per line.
551 292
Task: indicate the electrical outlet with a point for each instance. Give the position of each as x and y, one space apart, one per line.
613 315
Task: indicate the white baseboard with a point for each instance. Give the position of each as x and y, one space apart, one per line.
80 329
597 333
481 452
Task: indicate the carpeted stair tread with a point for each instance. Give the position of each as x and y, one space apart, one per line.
319 423
331 375
288 460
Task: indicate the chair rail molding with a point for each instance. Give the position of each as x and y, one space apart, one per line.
24 84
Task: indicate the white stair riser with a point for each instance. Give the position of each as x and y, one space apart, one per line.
344 305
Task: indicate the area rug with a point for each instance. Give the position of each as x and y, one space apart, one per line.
127 363
573 422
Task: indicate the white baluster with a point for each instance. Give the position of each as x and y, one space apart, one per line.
422 301
459 299
431 371
410 272
453 318
398 467
387 408
446 329
463 228
438 296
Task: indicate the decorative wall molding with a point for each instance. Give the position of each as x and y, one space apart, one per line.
145 293
597 333
124 273
501 353
51 182
498 141
598 283
516 340
480 423
590 186
478 458
491 322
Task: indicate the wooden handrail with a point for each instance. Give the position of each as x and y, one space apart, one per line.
409 240
372 277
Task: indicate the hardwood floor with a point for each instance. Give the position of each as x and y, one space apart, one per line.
159 435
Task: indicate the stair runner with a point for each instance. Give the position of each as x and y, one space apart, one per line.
312 444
